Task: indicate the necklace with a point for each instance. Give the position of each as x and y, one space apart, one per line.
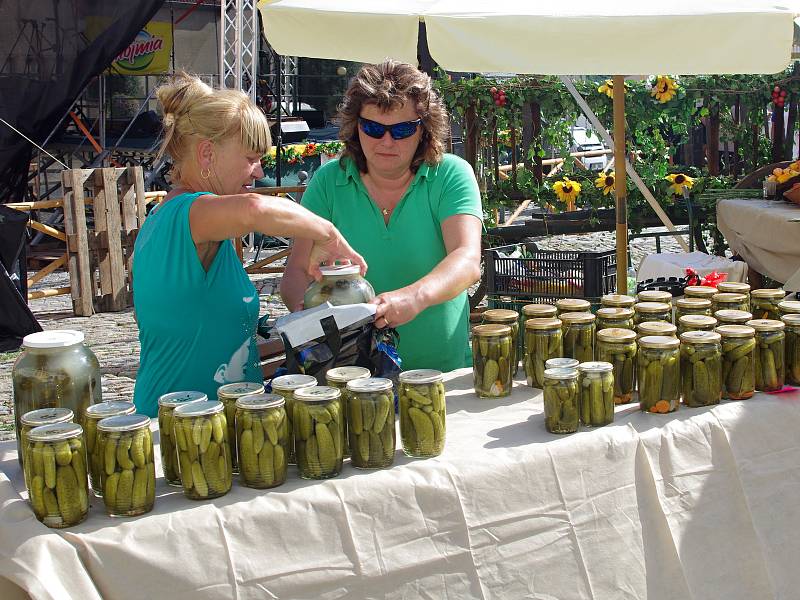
385 212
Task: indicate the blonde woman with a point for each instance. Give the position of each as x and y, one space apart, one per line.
195 305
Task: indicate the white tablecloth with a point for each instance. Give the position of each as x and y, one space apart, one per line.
674 265
761 232
699 504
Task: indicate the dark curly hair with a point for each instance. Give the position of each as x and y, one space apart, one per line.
390 85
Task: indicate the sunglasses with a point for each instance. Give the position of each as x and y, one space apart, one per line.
398 131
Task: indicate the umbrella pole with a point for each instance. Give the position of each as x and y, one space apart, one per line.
620 184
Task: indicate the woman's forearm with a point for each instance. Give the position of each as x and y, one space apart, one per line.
455 273
279 216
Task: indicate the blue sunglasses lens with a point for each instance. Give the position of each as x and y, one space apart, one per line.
398 131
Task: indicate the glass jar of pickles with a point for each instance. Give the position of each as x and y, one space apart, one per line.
560 363
286 386
692 306
338 378
370 405
654 296
735 287
560 393
91 417
701 368
732 317
764 303
57 484
538 311
658 373
596 393
579 330
617 301
700 291
792 322
491 360
729 301
618 347
656 328
738 374
228 394
608 318
262 433
652 311
789 307
129 469
317 424
38 418
204 452
422 412
543 341
567 305
769 353
696 323
55 369
167 403
342 284
510 318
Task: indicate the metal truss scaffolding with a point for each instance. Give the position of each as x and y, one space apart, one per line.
239 45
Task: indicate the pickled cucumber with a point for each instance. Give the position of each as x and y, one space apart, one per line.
487 353
769 361
701 373
263 446
658 376
561 405
206 463
793 353
373 447
596 397
622 356
540 346
738 367
422 433
131 475
318 457
579 342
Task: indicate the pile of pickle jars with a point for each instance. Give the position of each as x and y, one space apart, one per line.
596 393
422 412
579 332
696 323
262 435
370 419
491 360
701 368
658 373
733 317
167 403
652 311
543 341
615 317
738 361
318 428
735 287
655 328
769 353
764 303
692 306
729 301
618 347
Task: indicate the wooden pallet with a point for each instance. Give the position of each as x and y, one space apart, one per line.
100 250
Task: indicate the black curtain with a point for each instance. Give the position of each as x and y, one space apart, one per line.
49 51
16 319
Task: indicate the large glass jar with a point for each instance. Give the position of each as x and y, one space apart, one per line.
262 432
510 318
338 378
652 311
55 369
339 285
423 412
318 430
792 330
37 418
738 374
286 386
701 368
769 353
661 296
658 373
729 301
618 347
370 404
696 323
733 317
228 394
617 301
700 291
166 432
764 303
91 417
579 330
735 287
560 393
543 341
491 360
57 484
789 307
692 306
656 328
204 452
567 305
619 318
596 393
129 469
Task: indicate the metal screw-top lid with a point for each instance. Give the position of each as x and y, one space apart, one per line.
55 432
491 330
789 306
539 310
613 313
573 305
771 293
421 376
792 319
46 416
576 317
345 374
659 341
652 307
199 409
561 363
656 328
53 338
595 366
260 401
618 300
237 390
373 384
500 315
697 321
733 316
321 393
694 303
735 287
729 298
561 373
616 335
543 323
112 408
290 383
766 324
334 270
700 291
654 296
124 423
701 337
736 331
174 399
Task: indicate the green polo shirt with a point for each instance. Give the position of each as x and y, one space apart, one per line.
408 248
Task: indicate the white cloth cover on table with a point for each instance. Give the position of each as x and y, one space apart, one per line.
675 264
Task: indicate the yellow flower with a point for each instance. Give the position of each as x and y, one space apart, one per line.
678 181
567 190
664 89
605 181
608 88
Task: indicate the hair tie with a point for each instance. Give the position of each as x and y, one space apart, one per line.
169 120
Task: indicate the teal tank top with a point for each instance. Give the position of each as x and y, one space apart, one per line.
197 329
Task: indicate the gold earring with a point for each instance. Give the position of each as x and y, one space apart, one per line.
205 175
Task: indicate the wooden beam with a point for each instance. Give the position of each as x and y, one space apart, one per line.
45 271
51 231
59 202
620 184
48 293
516 213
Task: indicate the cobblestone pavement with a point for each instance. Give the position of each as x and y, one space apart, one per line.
113 337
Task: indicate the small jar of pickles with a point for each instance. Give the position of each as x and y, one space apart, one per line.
560 363
166 432
491 360
700 291
738 372
696 323
510 318
770 353
729 301
568 305
789 307
617 301
37 418
370 403
318 420
286 386
596 393
654 296
538 311
733 317
701 368
543 341
735 287
91 417
338 377
656 328
659 374
764 303
609 317
228 394
423 412
652 311
618 347
560 394
792 322
579 330
262 432
692 306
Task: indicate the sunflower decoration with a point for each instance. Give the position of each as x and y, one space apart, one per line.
567 191
678 181
608 88
605 182
664 89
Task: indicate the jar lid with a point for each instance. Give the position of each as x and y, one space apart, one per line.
543 323
736 331
792 319
576 317
654 296
727 297
539 310
616 335
290 383
102 410
55 432
789 306
199 409
651 307
237 390
45 416
659 341
177 398
656 328
693 302
595 366
613 300
340 270
421 376
260 401
772 293
615 312
500 315
701 337
704 291
345 374
561 363
321 393
698 321
561 373
736 287
491 329
766 324
573 305
739 316
373 384
124 423
53 338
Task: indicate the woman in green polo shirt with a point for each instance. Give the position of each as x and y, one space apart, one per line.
413 212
